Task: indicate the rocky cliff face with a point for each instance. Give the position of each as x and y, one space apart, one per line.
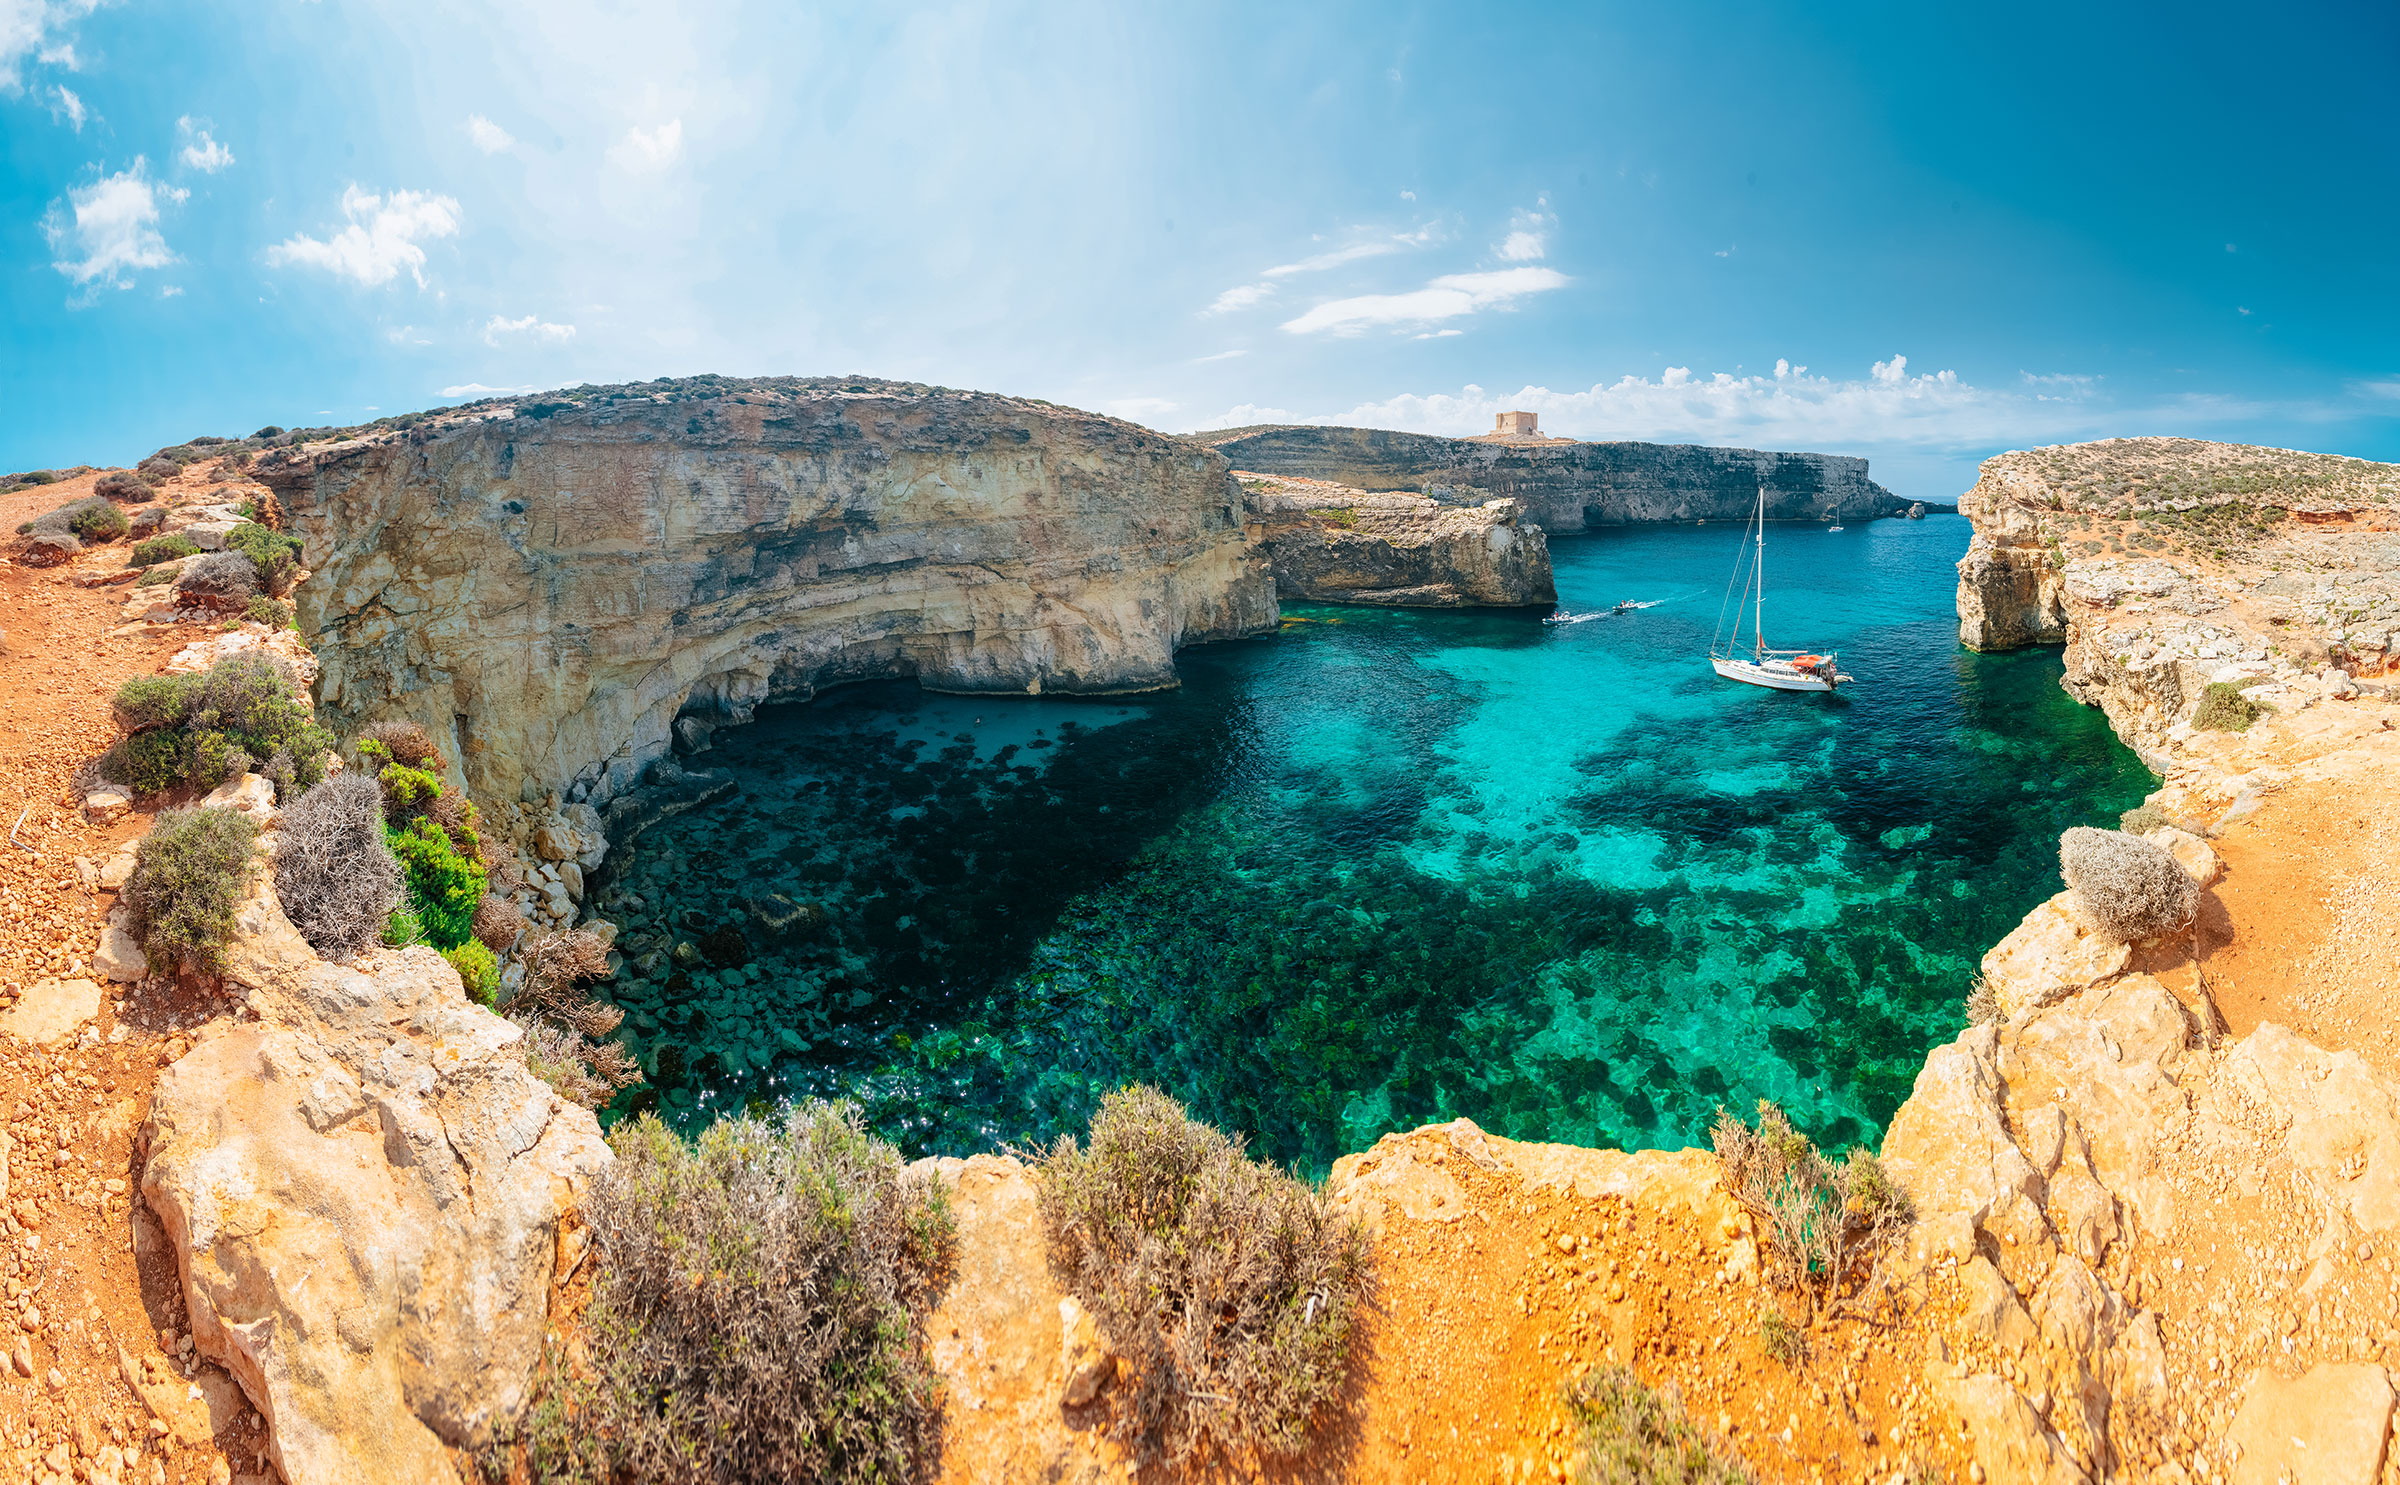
2167 565
1334 544
551 584
1562 485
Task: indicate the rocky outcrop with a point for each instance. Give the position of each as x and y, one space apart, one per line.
1334 544
2010 582
364 1190
1563 485
549 585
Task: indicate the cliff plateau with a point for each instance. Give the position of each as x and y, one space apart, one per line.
1564 485
550 585
1334 544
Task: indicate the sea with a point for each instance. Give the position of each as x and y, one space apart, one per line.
1382 868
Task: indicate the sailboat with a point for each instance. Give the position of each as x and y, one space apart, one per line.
1755 664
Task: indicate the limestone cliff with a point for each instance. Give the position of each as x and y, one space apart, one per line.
1564 485
1334 544
551 583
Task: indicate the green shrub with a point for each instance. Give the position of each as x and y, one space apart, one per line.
212 758
402 928
407 792
160 576
152 550
151 762
272 612
2142 819
121 485
400 742
2223 708
1626 1434
758 1311
276 555
334 875
99 522
478 969
1229 1286
186 883
148 701
444 887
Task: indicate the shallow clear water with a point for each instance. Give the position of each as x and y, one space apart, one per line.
1387 867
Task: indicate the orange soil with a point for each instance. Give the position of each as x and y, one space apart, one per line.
75 1293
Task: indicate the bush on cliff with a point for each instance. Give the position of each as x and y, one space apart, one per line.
566 1027
1818 1219
478 971
444 886
337 880
2223 708
758 1311
221 580
2128 888
1626 1434
275 555
1230 1287
186 883
204 729
150 551
123 485
98 521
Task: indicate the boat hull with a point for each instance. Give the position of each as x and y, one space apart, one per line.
1773 677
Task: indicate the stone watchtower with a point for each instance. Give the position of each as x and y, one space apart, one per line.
1517 425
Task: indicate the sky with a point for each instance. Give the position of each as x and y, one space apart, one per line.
1922 234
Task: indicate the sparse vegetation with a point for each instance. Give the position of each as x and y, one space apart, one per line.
1818 1218
2223 708
1781 1339
275 555
337 880
186 883
1626 1434
204 729
1229 1286
272 612
567 1029
2142 819
758 1312
152 550
130 488
1983 1003
498 923
2129 888
98 522
225 580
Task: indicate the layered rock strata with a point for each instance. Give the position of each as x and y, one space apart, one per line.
1563 485
549 585
1333 544
367 1196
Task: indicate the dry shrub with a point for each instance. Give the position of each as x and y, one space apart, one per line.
2223 708
1818 1218
336 878
1230 1288
566 1027
1983 1003
2128 888
409 744
582 1069
226 580
758 1311
1627 1434
498 923
130 488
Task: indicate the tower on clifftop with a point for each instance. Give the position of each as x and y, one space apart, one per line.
1517 425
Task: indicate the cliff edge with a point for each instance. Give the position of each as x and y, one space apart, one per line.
1333 544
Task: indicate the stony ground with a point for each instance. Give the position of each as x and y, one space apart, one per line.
91 1302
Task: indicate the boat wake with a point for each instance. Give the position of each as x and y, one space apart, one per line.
1628 606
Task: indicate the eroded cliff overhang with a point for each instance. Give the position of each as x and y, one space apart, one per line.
551 582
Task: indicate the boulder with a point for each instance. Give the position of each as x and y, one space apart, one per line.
249 795
119 957
2193 854
106 806
2329 1427
50 1010
362 1187
554 842
2051 954
117 870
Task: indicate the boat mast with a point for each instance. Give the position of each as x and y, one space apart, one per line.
1758 609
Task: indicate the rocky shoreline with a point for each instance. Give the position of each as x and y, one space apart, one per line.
2144 1248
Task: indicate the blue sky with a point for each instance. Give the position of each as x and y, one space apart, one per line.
1919 233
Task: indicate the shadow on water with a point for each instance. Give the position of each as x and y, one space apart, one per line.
1383 868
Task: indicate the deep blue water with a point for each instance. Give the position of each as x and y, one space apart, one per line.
1387 867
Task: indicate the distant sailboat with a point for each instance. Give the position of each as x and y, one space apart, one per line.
1755 664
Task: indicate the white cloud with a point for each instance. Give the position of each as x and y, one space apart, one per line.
1520 247
64 104
106 231
478 389
1447 297
2241 309
202 153
645 150
1440 334
1790 409
1219 356
1240 296
381 239
1338 257
1528 235
496 327
1138 409
488 136
28 29
406 335
170 291
1408 195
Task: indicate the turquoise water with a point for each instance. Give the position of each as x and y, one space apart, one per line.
1385 867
